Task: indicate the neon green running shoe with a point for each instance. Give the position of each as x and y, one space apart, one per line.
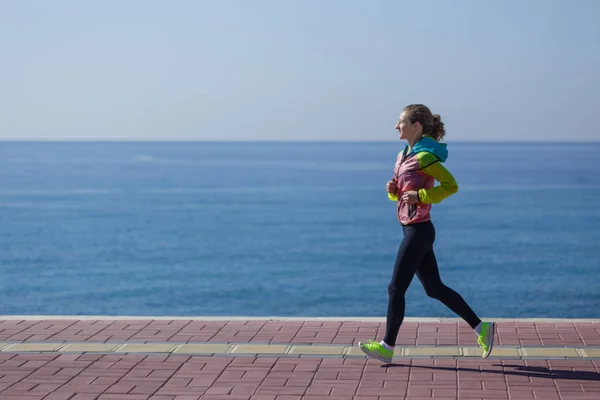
486 338
376 350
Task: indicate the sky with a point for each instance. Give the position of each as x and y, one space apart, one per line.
231 70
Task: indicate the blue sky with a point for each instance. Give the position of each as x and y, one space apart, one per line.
298 69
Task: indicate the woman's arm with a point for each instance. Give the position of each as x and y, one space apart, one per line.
434 168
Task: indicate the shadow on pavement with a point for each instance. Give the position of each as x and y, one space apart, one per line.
518 370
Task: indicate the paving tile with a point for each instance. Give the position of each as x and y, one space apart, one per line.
496 352
89 347
259 349
324 350
354 351
549 352
34 347
432 351
203 348
146 348
590 352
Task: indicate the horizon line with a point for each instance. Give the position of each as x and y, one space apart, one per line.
81 140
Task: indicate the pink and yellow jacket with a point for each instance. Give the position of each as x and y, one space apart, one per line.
417 171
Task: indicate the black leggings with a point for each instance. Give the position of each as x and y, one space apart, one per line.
415 255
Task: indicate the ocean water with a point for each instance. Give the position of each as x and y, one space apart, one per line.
289 229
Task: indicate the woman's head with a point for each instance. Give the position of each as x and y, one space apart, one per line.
416 120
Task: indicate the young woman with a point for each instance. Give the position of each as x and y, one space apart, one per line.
417 167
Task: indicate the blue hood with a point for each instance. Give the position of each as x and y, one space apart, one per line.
431 146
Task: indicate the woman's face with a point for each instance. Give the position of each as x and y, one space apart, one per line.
406 129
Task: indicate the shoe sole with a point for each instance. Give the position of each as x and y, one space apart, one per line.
375 356
493 332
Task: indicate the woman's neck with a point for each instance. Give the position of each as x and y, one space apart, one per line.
415 140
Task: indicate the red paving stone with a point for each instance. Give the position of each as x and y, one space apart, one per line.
519 333
94 376
178 377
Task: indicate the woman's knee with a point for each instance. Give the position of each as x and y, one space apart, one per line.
395 292
435 291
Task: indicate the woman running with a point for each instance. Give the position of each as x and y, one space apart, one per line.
417 167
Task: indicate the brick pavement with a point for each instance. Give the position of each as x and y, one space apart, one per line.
413 333
45 374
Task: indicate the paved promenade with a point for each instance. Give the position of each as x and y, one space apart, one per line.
88 358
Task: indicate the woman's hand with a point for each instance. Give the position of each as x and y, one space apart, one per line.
410 197
392 187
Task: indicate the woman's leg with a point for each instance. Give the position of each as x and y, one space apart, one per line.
429 275
417 241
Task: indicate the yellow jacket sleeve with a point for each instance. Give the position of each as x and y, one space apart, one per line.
447 187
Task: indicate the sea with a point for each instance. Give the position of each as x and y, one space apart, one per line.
290 229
